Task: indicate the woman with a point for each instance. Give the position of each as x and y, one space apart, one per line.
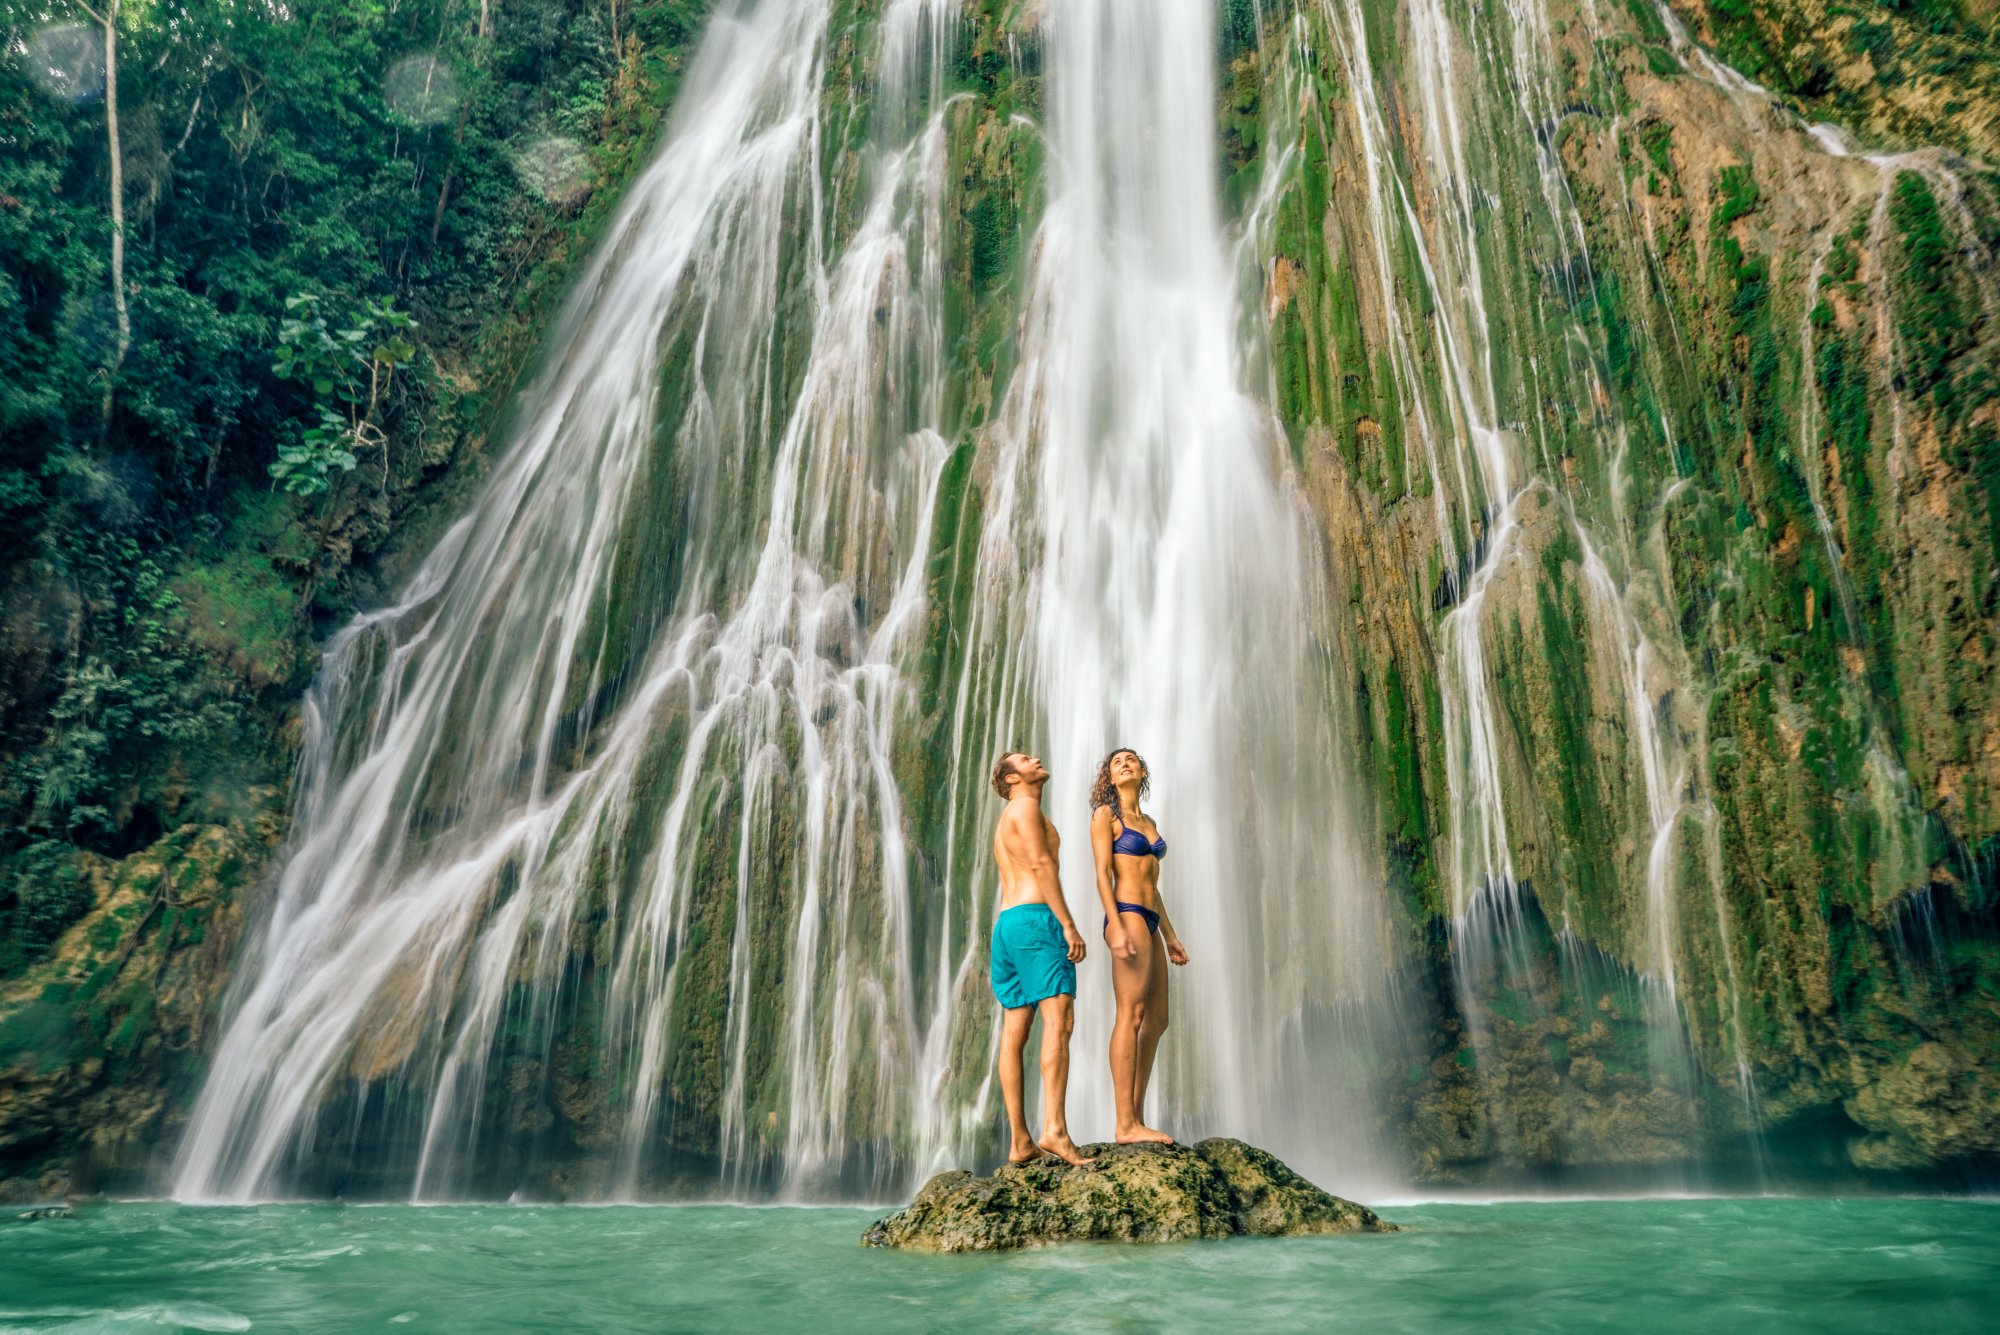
1139 934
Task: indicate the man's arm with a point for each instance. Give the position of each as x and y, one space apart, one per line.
1031 848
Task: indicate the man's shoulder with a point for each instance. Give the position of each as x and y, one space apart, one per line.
1023 815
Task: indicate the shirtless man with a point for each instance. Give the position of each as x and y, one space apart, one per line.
1035 952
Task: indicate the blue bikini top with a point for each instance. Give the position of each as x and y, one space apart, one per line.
1133 844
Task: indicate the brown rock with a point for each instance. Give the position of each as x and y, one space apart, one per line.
1133 1193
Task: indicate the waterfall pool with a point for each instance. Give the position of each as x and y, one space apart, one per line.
1760 1264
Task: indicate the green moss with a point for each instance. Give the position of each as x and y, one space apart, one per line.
1929 315
1737 196
1982 456
1657 138
1402 773
1399 763
42 891
242 601
1241 122
1647 20
1587 832
991 223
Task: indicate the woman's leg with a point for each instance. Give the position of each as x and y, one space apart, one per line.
1153 1015
1131 982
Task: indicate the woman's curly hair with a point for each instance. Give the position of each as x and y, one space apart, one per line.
1104 793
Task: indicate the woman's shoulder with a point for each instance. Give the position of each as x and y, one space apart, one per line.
1101 815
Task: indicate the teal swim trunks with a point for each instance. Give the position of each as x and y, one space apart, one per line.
1030 959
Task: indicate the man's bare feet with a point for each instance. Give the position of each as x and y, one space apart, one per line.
1059 1144
1141 1135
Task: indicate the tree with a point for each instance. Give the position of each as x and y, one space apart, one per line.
107 19
372 342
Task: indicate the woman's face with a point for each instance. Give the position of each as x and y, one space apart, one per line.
1126 768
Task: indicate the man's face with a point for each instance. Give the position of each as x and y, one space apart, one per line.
1029 768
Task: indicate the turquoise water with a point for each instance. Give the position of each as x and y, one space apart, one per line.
1752 1265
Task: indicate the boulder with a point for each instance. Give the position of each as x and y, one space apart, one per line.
61 1211
1133 1193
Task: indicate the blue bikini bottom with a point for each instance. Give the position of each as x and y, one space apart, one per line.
1152 918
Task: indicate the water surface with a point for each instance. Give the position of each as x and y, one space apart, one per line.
1632 1266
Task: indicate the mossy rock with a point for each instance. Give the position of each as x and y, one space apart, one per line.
1132 1193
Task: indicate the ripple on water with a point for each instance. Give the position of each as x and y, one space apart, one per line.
1632 1266
171 1316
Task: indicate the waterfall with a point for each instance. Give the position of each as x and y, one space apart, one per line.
610 816
661 655
641 846
1473 348
1162 594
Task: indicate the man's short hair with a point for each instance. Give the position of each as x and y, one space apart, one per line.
1003 770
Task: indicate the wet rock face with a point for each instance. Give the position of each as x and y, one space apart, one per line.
101 1041
1133 1193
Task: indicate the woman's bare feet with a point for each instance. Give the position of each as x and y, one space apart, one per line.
1026 1151
1141 1135
1059 1144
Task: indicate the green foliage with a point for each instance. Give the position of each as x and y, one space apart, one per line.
353 366
138 696
44 893
334 361
1647 20
307 468
1799 50
1399 764
1928 314
1657 138
1982 456
1236 27
991 221
1737 195
1241 123
335 254
239 596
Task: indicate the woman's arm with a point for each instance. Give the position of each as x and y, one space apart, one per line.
1176 952
1116 938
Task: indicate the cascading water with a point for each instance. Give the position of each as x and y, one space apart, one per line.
641 846
1476 285
661 653
1162 596
604 816
1485 478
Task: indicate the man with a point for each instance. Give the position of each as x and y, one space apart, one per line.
1035 951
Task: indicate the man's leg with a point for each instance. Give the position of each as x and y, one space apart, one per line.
1014 1023
1058 1020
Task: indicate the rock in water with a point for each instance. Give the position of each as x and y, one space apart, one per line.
1133 1193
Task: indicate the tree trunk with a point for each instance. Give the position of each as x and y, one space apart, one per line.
109 19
